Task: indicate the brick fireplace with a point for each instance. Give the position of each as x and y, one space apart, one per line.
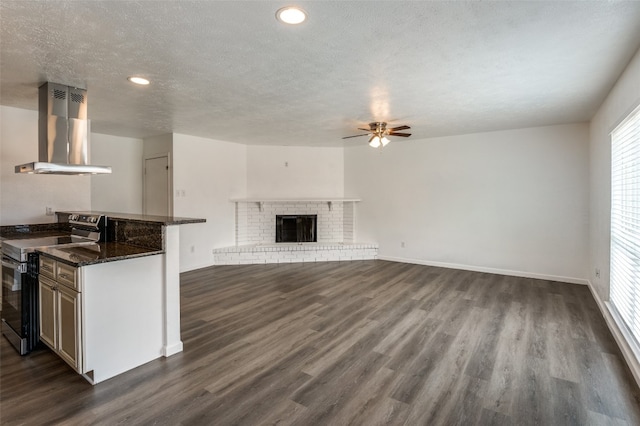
255 220
256 233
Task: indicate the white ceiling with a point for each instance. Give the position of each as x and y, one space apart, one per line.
228 70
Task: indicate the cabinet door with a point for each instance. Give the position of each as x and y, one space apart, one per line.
69 326
48 312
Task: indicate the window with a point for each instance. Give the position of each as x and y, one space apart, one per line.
624 290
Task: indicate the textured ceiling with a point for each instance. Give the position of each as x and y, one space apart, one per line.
229 70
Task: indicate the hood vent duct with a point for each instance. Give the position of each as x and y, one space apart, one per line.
63 133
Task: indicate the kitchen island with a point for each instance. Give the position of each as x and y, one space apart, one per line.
116 303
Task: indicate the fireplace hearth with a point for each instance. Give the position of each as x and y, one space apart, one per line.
297 228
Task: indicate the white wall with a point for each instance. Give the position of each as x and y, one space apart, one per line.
290 172
24 197
210 173
512 201
120 191
622 99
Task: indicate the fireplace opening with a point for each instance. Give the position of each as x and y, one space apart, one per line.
297 228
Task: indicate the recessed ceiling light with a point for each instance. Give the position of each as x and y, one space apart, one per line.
139 80
291 15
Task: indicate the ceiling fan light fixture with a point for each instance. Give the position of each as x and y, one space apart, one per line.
378 133
375 141
291 15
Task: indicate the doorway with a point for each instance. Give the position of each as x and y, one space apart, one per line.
157 185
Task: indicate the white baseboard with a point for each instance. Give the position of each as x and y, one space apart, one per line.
196 267
618 334
173 349
497 271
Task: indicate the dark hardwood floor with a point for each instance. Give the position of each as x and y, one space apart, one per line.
362 343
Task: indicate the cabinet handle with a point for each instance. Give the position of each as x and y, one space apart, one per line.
47 268
64 276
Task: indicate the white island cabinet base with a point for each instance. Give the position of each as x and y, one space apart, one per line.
122 315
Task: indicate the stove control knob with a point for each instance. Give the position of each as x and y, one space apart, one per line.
93 219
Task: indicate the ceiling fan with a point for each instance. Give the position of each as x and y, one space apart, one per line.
378 131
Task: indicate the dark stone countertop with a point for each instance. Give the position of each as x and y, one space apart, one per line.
94 253
31 235
28 231
164 220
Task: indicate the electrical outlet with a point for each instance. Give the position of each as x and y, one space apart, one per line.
193 249
402 244
49 211
597 272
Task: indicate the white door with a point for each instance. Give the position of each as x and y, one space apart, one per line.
156 186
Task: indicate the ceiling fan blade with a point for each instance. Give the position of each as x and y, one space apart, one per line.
403 135
393 129
366 130
355 136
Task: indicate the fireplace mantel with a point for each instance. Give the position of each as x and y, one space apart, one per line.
292 200
261 201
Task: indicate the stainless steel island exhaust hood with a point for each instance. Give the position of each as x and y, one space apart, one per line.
63 133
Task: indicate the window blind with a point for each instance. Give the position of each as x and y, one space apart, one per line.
624 289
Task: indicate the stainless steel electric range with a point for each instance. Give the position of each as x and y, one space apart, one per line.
20 277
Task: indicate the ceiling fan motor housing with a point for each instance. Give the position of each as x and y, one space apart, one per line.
378 127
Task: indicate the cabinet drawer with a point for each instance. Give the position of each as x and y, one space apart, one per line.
48 267
66 275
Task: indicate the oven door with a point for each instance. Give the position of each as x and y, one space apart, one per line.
14 277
